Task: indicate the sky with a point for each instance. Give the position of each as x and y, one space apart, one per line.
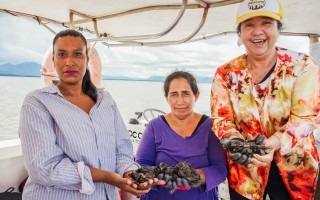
24 40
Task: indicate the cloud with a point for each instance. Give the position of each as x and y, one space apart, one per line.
22 40
202 58
300 44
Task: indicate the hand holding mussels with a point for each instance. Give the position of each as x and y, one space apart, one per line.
143 174
178 177
241 151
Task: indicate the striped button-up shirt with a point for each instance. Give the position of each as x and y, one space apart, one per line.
60 142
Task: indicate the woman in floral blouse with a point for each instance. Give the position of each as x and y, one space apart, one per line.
274 92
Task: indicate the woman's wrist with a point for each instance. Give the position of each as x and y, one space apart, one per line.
275 141
202 175
111 178
103 176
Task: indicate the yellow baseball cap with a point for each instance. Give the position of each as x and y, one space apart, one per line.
254 8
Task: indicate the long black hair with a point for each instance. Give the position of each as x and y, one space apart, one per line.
87 86
180 74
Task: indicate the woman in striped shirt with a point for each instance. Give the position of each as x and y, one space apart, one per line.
74 141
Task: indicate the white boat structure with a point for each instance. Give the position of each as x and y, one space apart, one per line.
155 22
140 23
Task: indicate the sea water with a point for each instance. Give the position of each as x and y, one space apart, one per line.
130 97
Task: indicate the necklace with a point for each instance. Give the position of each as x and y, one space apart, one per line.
259 75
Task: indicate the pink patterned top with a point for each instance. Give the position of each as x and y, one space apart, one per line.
285 104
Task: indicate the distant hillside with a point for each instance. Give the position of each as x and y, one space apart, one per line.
33 69
23 69
204 79
156 78
200 79
151 78
104 77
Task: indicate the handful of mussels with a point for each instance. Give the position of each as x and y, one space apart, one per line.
181 175
241 151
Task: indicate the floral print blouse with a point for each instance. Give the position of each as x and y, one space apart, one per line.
286 104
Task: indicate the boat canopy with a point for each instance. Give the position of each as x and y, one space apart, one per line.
155 22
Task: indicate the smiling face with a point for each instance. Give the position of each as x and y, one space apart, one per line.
259 35
70 59
181 98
